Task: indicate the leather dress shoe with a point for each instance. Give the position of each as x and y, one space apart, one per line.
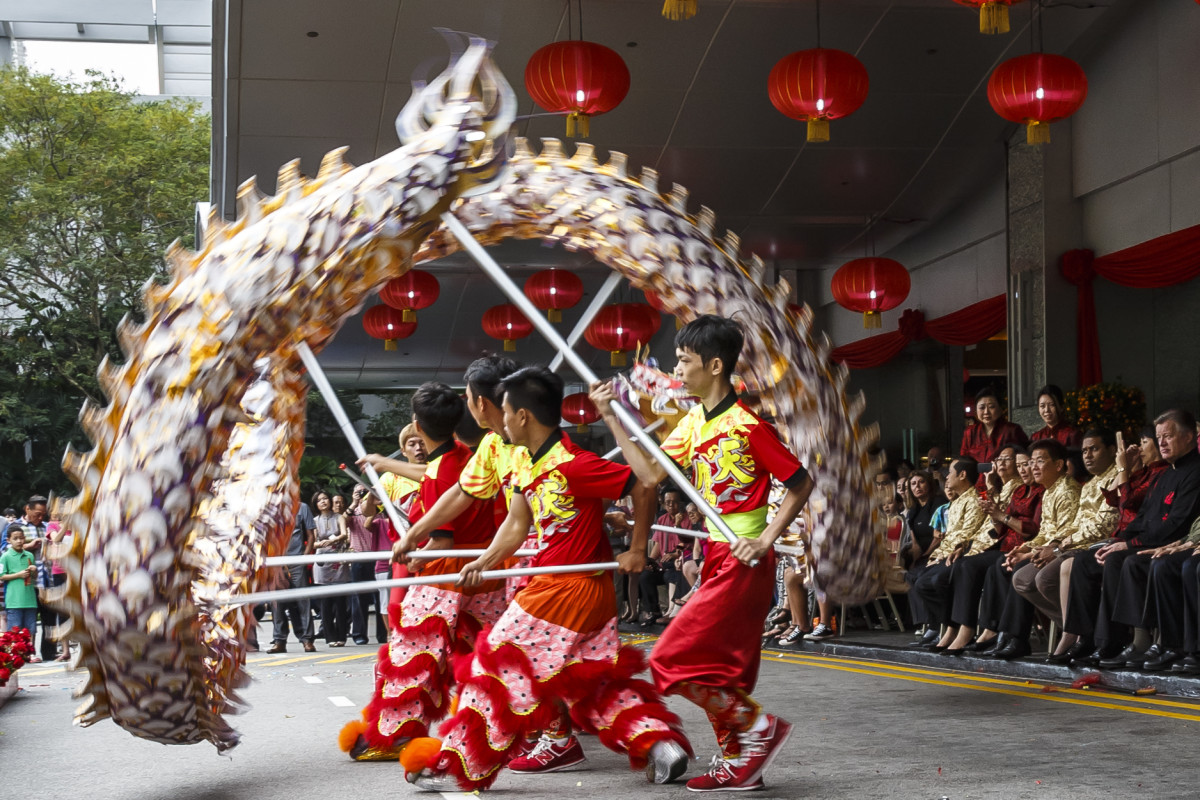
928 640
1094 658
954 651
937 648
983 647
1152 652
1163 661
1017 648
1081 648
1118 661
1189 665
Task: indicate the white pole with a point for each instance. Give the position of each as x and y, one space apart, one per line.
780 548
518 298
335 589
318 377
378 555
610 285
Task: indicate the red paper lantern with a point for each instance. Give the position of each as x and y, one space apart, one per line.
1037 89
387 323
579 410
816 86
552 290
655 302
871 285
621 327
580 79
507 323
412 291
993 14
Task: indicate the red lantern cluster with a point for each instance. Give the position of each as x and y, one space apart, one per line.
579 410
507 323
579 79
553 290
818 85
993 14
387 323
412 291
621 327
871 285
1037 89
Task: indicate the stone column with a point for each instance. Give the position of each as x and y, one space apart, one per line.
1044 221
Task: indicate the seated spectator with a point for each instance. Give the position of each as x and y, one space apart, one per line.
663 562
1173 605
1052 409
984 440
893 517
918 521
1096 603
963 519
1044 580
691 564
1059 506
986 547
928 527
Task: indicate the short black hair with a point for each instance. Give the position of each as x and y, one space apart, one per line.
1017 449
1054 393
987 391
1147 432
36 500
709 337
537 390
10 512
485 374
671 488
468 431
1103 434
966 464
312 502
437 409
1053 448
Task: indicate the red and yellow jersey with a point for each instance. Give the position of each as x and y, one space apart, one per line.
400 490
476 525
568 490
733 454
495 469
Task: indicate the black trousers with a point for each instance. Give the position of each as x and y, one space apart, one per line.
1093 597
933 587
1132 602
916 608
1168 598
51 619
360 604
997 586
335 612
967 578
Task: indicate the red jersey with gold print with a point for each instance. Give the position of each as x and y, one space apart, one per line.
476 525
568 490
733 454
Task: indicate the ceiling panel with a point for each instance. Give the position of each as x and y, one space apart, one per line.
309 108
348 46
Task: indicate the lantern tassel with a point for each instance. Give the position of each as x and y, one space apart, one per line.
818 129
581 428
993 18
679 9
408 315
510 346
389 344
872 319
554 315
616 358
1037 132
577 125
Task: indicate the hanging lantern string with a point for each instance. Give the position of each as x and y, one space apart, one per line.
818 24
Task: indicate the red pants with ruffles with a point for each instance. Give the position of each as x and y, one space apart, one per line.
711 651
413 673
556 645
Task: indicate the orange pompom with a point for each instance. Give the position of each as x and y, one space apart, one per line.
349 735
419 753
454 705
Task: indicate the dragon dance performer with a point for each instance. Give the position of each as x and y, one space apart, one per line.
413 679
733 454
556 647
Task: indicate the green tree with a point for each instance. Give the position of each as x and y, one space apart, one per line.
97 184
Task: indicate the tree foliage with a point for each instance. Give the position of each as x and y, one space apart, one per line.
97 184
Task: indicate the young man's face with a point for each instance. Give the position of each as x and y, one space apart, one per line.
697 376
475 405
514 423
17 540
414 449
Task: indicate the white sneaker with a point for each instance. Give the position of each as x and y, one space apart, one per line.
667 762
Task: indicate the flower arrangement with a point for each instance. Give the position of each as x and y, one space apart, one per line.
16 646
1108 405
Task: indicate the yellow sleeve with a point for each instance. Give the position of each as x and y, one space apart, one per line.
1057 515
480 478
1095 520
678 444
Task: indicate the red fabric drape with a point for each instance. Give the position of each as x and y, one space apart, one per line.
1165 261
969 325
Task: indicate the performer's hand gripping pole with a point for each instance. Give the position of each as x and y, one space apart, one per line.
518 298
318 377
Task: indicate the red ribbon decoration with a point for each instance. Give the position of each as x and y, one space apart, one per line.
966 326
1165 261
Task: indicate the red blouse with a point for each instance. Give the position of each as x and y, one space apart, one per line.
1129 496
981 447
1068 436
1025 505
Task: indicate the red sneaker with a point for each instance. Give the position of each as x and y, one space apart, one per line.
759 748
723 776
550 755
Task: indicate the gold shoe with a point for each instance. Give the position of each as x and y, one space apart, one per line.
361 751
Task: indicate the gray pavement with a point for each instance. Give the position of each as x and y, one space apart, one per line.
863 730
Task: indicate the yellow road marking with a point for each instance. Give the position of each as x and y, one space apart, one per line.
355 657
291 660
1032 693
1031 684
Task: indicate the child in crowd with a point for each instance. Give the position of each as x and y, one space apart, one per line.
19 575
